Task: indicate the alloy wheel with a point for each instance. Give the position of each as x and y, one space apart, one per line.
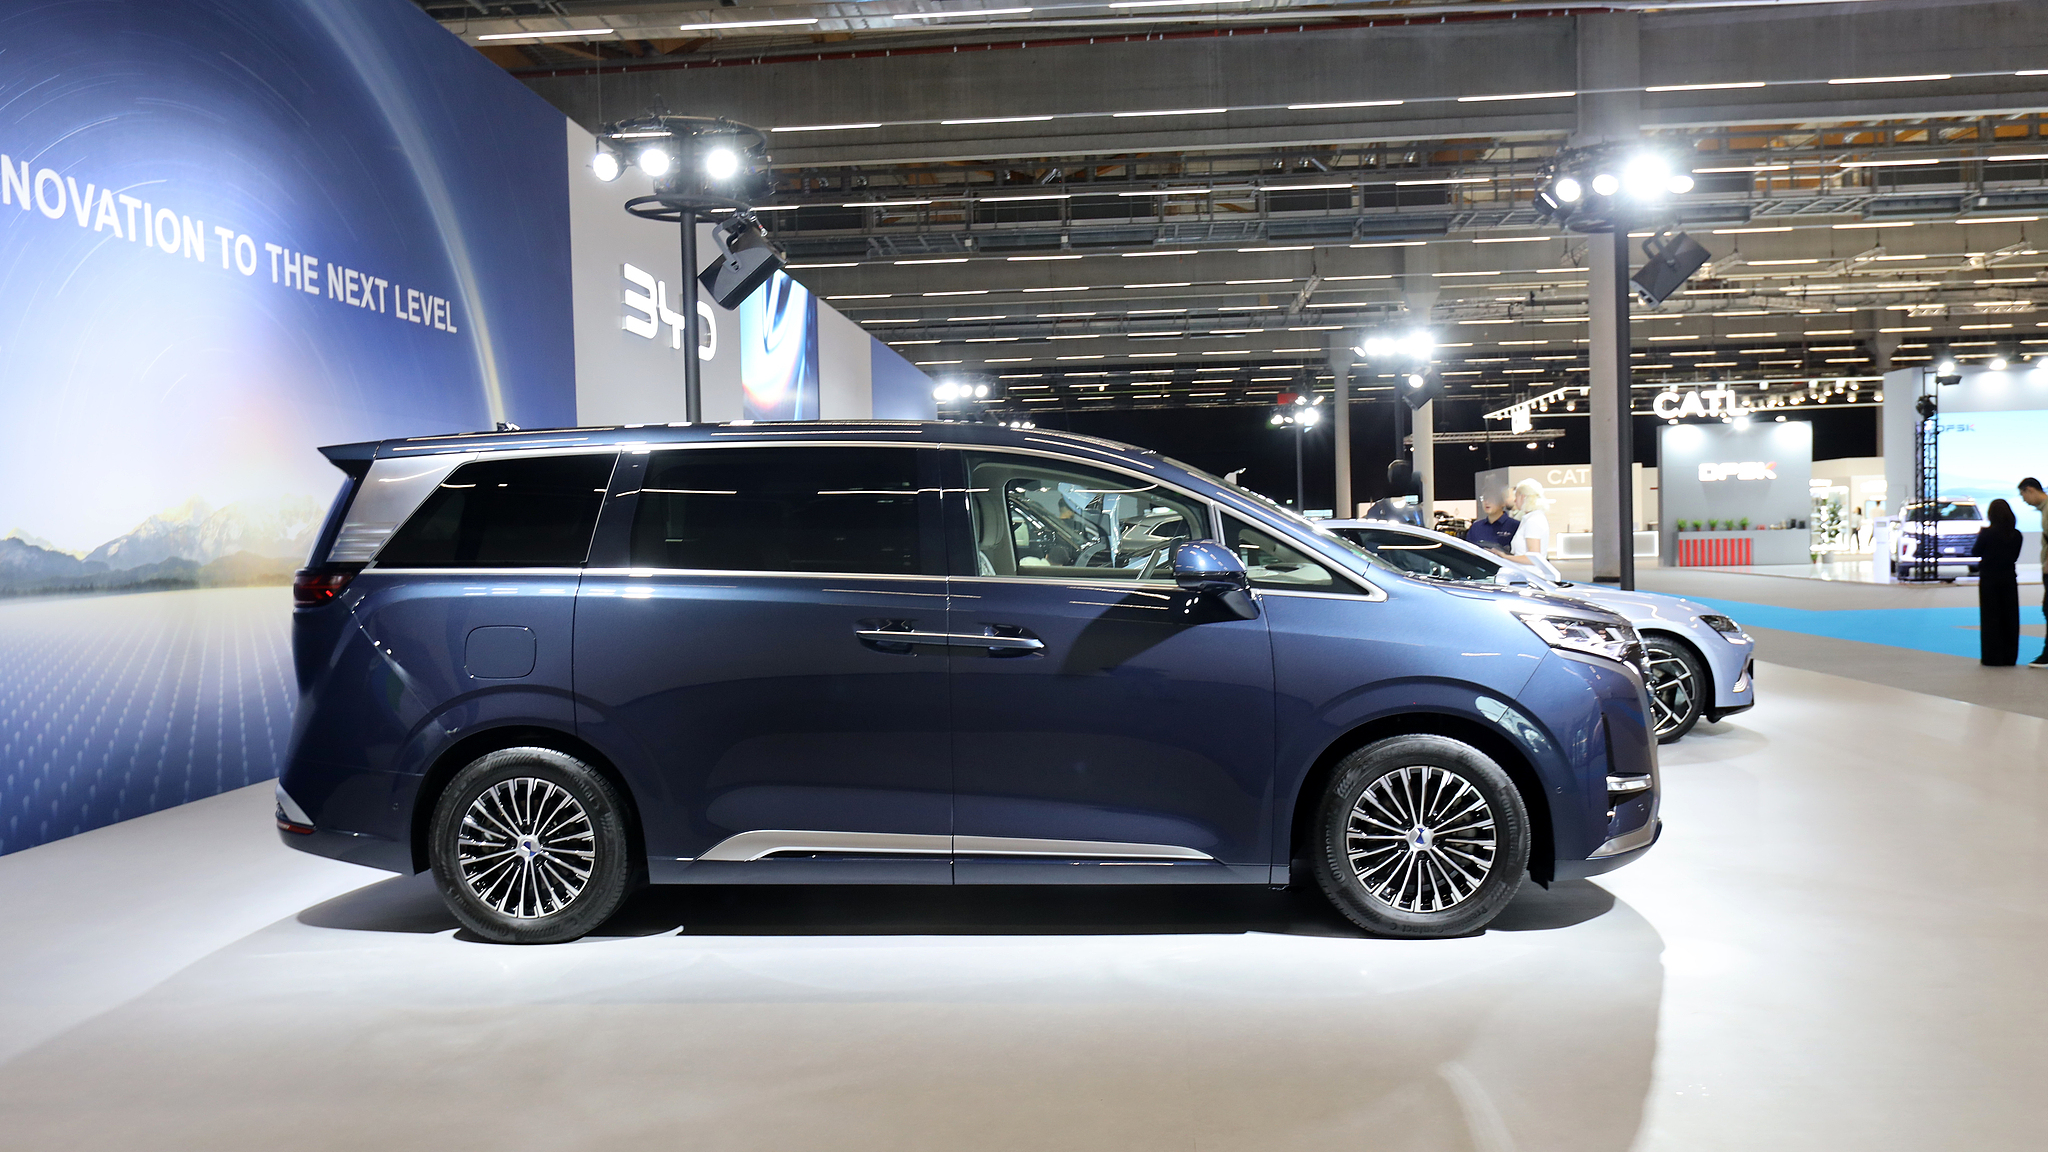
1421 839
526 848
1673 690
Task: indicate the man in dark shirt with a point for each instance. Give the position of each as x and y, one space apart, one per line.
1496 530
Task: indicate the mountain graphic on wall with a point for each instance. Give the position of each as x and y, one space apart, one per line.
191 546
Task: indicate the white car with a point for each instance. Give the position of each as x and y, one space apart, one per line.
1700 660
1947 536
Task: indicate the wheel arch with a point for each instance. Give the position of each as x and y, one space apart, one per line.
482 743
1468 730
1686 642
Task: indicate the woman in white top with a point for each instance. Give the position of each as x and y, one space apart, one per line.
1532 539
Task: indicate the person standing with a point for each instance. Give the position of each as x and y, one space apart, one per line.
1532 537
1998 590
1495 532
2030 491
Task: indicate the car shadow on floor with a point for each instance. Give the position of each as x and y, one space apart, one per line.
410 904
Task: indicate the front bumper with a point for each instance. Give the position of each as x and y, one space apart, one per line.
1620 851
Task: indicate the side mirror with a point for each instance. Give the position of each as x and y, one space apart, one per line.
1215 580
1207 568
1510 573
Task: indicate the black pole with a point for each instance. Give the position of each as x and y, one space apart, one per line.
1300 490
1625 448
693 393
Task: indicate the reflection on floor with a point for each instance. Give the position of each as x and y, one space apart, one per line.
1808 960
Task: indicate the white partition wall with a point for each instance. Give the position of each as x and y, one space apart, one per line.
627 276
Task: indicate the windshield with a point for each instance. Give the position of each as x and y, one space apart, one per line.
1946 510
1420 555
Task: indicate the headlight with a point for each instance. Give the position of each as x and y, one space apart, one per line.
1725 627
1610 640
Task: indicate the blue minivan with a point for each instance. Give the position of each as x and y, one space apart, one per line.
551 666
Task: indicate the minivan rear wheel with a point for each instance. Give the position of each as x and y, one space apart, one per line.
529 846
1421 836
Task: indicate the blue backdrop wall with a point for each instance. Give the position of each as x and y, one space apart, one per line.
230 231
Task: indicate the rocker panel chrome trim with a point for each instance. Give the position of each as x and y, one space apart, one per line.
762 843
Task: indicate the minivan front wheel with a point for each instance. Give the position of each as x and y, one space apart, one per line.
1421 836
529 846
1678 688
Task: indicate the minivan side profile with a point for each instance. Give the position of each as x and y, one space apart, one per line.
550 666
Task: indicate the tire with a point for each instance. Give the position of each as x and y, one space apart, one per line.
1397 888
1679 687
509 886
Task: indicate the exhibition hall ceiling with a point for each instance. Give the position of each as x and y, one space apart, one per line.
1136 205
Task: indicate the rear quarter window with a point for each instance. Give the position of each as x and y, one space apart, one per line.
532 512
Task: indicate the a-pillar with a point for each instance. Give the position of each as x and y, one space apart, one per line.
1610 110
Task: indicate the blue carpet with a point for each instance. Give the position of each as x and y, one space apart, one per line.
1948 631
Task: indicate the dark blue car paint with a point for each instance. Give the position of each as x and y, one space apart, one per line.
761 708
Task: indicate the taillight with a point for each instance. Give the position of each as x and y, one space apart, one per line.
312 587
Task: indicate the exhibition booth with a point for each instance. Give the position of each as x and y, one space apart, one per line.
1735 494
1993 429
263 231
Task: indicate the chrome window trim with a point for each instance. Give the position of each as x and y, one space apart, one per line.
554 570
698 445
724 573
746 847
1373 596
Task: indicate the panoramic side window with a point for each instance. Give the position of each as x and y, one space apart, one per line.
1275 564
1059 521
794 509
531 512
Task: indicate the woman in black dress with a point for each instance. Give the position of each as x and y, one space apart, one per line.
1998 588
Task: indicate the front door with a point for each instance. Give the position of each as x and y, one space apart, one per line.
735 659
1110 729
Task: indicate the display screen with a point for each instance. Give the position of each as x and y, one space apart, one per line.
1984 454
779 351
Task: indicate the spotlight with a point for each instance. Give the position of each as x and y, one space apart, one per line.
1416 345
1646 176
1310 417
746 260
653 161
1423 387
1742 420
1582 188
946 392
1277 419
605 165
1998 362
1946 366
721 164
981 391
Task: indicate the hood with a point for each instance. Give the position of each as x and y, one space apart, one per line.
1640 607
1529 598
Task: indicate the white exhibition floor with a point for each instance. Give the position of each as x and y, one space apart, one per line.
1838 945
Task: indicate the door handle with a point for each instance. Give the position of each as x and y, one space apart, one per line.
951 639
